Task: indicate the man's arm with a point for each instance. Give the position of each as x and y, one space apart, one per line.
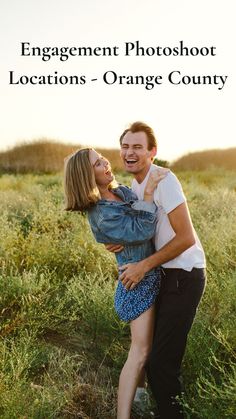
181 223
114 248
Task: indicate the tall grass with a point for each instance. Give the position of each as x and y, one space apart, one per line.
62 346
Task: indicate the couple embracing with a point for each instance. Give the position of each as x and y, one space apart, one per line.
160 258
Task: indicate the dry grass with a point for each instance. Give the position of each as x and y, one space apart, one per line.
45 156
202 160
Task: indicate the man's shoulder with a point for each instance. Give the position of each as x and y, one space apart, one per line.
169 181
169 193
170 176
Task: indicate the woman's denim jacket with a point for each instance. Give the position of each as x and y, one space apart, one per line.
131 223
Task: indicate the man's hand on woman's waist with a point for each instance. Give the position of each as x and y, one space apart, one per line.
132 274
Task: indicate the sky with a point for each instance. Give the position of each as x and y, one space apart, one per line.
185 117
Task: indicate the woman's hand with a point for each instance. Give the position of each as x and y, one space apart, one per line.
155 177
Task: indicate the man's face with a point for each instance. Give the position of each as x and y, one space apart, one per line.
135 154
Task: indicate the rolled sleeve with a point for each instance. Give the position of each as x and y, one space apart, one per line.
144 206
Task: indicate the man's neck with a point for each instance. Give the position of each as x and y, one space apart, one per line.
142 174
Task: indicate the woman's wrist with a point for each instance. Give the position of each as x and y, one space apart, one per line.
148 196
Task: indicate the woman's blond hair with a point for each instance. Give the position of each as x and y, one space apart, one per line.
81 191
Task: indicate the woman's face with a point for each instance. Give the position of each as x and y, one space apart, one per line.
102 169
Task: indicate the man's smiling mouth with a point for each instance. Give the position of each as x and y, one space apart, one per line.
130 161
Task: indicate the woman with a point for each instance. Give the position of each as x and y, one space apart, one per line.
116 216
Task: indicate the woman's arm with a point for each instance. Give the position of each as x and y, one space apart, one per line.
154 178
124 224
127 224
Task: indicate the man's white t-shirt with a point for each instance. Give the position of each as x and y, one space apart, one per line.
168 196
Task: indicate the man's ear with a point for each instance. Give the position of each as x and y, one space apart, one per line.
152 153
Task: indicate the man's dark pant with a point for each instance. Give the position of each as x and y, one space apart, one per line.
176 307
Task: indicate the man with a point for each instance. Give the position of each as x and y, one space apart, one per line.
180 254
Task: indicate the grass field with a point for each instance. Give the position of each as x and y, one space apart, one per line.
62 346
